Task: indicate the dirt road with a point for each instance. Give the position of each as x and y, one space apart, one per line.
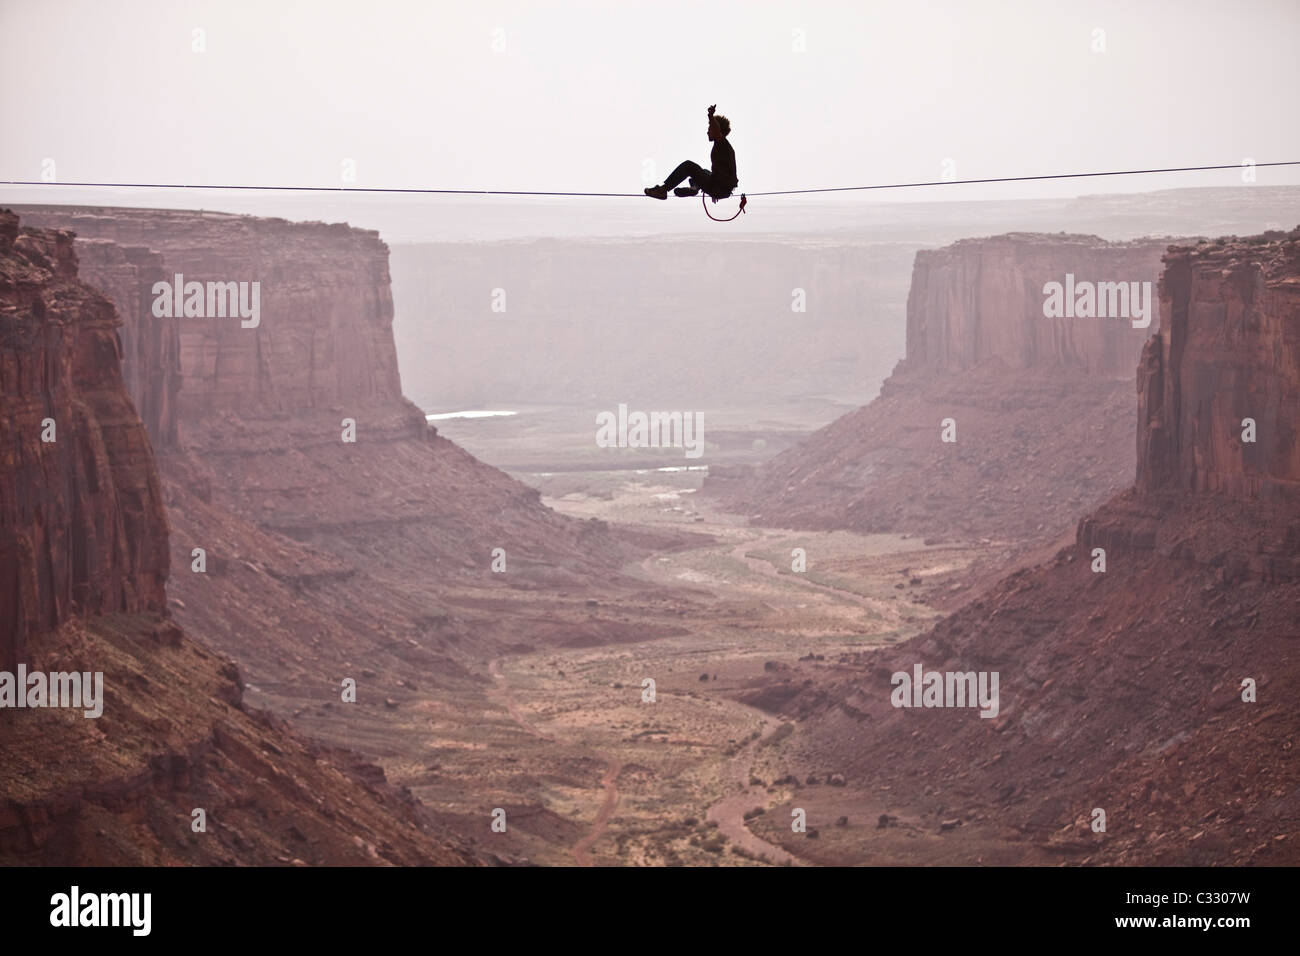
729 812
609 782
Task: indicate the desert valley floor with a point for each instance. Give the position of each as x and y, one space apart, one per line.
589 773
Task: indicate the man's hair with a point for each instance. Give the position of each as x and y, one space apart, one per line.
724 124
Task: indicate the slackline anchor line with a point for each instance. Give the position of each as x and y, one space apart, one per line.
703 202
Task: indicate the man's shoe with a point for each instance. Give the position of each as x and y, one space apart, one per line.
685 191
657 192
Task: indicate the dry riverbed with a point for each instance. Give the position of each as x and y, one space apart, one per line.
590 771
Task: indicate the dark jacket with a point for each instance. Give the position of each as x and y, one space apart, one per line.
723 179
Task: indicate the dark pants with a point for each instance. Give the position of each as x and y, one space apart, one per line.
700 177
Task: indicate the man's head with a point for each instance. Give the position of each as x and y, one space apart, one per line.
719 127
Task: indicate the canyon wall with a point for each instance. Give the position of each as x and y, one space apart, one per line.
1228 350
324 338
1041 407
382 533
150 345
1152 679
82 525
260 413
84 561
981 300
397 559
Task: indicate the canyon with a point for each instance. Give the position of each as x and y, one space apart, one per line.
232 556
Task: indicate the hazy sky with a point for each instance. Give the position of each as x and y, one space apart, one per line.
582 94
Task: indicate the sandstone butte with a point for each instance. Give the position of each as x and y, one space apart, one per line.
83 566
1042 406
1123 690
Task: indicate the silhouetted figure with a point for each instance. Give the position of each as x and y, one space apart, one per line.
718 182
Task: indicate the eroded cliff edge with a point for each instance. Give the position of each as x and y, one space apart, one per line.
82 523
1042 406
398 560
259 410
83 566
1124 660
1224 368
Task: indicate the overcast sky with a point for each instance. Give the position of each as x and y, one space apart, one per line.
580 95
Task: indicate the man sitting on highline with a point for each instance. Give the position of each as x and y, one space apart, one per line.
717 183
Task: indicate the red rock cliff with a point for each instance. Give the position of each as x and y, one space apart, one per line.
1042 406
1122 685
1228 350
262 478
261 409
326 311
982 299
82 526
83 537
151 362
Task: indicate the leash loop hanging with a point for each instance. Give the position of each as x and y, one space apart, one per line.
704 198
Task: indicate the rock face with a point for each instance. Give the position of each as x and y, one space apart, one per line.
398 552
981 300
150 345
262 412
1041 407
325 333
1228 350
82 525
1123 686
83 566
